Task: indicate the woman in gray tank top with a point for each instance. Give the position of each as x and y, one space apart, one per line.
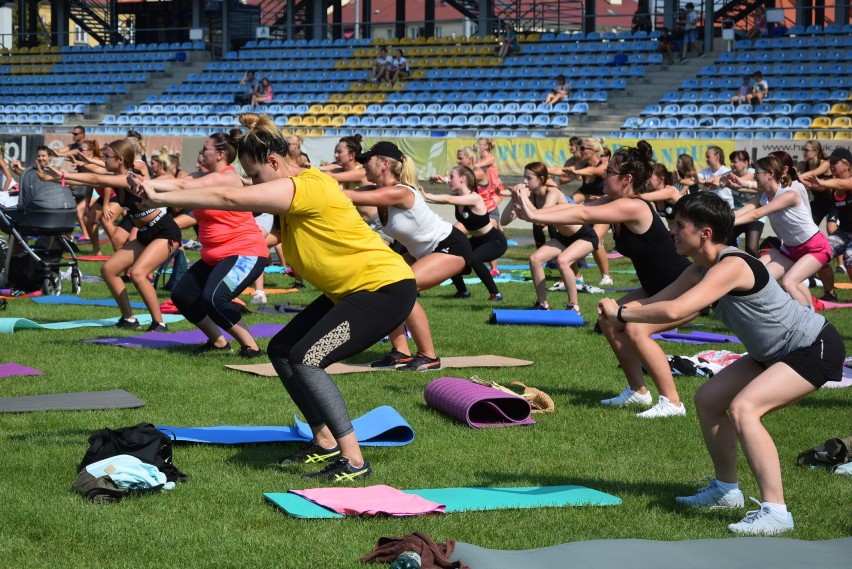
792 351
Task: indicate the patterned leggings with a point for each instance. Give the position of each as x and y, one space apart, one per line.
324 333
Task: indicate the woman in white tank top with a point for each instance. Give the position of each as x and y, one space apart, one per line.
439 250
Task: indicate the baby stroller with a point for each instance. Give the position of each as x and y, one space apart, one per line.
39 265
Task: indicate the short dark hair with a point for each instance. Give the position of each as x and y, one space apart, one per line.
40 148
706 209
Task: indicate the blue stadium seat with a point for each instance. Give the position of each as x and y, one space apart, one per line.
706 122
782 122
689 109
632 122
671 110
688 122
763 122
744 109
670 123
652 110
725 122
802 122
707 109
744 122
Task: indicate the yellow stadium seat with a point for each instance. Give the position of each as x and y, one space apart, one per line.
338 121
330 110
821 122
845 135
344 109
359 109
840 109
841 122
324 121
336 98
823 135
419 40
315 109
433 40
314 132
801 135
294 121
309 121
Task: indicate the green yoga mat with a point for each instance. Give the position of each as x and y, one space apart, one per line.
468 499
10 325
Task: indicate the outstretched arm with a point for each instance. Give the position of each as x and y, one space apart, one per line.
382 197
272 197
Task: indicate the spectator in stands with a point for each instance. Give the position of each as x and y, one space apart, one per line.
400 69
743 92
508 42
711 177
841 239
690 33
759 89
559 92
248 84
641 18
382 67
666 44
262 93
760 27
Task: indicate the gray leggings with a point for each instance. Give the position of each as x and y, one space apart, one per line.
324 333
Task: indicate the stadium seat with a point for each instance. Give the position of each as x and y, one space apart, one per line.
821 122
802 122
744 122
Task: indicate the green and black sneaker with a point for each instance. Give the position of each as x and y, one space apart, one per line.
341 471
311 453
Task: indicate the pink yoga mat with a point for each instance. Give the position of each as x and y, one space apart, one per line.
371 501
480 406
11 369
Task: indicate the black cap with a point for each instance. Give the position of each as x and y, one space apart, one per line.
840 154
381 148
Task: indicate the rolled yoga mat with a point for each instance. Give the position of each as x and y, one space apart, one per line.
70 299
164 340
10 325
114 399
540 317
467 500
479 406
383 426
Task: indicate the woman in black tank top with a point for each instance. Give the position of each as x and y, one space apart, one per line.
657 265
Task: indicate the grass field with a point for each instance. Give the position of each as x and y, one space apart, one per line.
219 519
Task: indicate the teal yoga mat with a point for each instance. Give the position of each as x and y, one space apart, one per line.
467 499
70 299
10 325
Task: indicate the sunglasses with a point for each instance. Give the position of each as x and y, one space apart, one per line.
76 132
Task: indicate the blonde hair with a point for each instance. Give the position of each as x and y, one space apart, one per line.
405 171
163 157
138 147
468 151
594 144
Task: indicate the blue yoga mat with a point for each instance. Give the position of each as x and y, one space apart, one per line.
467 499
541 317
383 426
10 325
69 299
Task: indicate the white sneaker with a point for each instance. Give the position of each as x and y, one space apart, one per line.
714 498
259 297
763 522
629 397
663 408
606 280
558 286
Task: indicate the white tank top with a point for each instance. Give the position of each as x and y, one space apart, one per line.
793 225
419 229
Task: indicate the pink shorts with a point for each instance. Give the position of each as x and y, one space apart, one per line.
817 246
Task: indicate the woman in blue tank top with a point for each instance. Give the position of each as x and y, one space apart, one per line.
792 351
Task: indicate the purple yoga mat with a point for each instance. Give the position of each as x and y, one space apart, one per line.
695 337
11 369
480 406
160 340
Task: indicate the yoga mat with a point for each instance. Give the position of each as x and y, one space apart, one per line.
469 500
842 285
479 406
828 305
10 325
614 255
733 553
501 278
845 382
447 362
250 291
161 340
376 500
92 257
70 299
9 293
115 399
12 369
383 426
541 317
695 337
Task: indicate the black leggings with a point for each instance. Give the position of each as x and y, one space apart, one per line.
324 333
207 290
486 248
752 232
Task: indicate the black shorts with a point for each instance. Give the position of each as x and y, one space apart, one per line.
820 362
456 244
161 228
126 223
586 233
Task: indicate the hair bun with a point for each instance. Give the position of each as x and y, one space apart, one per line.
645 150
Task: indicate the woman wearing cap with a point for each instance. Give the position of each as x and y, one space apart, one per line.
642 237
790 354
367 289
784 200
440 250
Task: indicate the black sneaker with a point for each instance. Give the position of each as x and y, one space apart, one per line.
495 298
829 296
540 306
309 454
298 284
393 358
341 471
462 294
157 327
249 353
126 324
421 362
209 346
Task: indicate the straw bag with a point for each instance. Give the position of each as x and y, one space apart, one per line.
539 401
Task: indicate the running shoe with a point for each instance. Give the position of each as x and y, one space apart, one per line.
393 358
559 285
249 353
496 297
763 522
259 297
209 346
629 397
663 408
606 280
126 324
540 306
829 296
714 498
157 327
341 471
309 454
421 362
462 294
572 306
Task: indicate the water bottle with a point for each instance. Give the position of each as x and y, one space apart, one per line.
407 560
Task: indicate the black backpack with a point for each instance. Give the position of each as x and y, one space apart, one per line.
143 441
